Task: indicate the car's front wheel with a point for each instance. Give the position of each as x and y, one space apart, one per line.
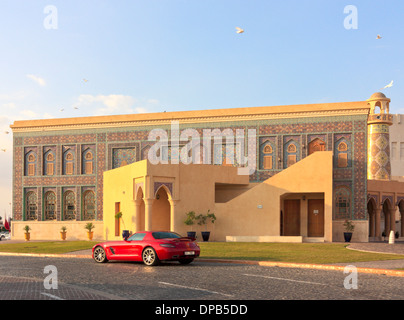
150 257
100 255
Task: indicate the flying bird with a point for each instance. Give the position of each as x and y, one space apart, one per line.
4 150
62 110
388 86
6 132
239 30
378 37
85 80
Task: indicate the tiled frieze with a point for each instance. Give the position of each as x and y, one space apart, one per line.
301 128
66 138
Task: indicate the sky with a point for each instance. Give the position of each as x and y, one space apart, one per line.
83 58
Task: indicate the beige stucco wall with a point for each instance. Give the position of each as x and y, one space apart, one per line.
253 211
256 212
119 187
360 234
397 146
193 189
50 230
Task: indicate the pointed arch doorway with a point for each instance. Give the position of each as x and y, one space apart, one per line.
140 210
161 210
374 228
389 217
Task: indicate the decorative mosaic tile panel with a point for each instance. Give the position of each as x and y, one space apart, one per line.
123 156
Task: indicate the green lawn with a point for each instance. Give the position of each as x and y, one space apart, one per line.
55 247
318 253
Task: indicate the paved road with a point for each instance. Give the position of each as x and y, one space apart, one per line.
82 279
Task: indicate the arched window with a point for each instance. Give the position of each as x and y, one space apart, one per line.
342 203
30 164
377 109
89 205
342 147
31 206
49 165
69 206
292 148
267 149
225 154
316 145
88 162
68 162
291 154
342 153
267 156
50 206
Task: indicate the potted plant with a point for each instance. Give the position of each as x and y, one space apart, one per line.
349 228
63 233
190 221
203 220
27 233
90 226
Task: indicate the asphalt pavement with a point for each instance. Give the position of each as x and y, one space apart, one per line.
23 278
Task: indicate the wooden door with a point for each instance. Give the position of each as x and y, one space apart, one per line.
117 220
291 218
315 218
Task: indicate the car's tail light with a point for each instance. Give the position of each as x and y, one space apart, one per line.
167 245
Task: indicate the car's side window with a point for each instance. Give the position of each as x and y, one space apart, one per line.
137 237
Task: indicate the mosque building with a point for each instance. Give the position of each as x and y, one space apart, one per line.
277 174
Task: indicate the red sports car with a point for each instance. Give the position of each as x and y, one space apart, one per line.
151 247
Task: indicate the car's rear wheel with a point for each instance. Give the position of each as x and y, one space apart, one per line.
150 257
186 261
100 255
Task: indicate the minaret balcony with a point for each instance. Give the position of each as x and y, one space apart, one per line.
381 118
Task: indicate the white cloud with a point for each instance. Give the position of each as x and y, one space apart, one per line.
114 104
141 110
28 114
37 79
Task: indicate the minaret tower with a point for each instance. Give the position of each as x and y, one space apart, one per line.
379 120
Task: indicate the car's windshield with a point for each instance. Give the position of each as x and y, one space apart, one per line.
165 235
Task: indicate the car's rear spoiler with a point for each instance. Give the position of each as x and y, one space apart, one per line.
184 239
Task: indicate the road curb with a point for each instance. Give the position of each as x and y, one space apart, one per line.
388 272
45 255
